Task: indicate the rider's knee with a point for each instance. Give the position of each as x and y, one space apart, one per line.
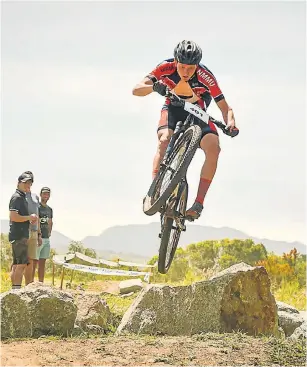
213 151
164 138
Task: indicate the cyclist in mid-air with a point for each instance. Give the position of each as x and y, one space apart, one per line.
193 81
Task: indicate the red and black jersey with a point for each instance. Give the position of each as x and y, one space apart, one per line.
203 82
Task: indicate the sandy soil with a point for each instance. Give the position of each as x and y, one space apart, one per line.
135 351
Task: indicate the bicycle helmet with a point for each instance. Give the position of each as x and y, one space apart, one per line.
188 52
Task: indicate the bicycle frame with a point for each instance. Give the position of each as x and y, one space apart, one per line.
196 116
168 209
173 206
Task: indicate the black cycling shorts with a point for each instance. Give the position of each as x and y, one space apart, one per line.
170 115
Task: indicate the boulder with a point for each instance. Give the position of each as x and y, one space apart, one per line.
286 308
289 321
15 317
289 318
130 285
299 332
93 314
238 298
36 310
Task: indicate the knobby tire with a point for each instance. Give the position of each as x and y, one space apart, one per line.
168 241
152 208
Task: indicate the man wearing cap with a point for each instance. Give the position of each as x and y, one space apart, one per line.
20 221
45 218
35 233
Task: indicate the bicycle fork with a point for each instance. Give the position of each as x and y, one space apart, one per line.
171 208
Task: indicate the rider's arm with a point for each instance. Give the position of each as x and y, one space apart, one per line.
143 88
166 67
208 79
226 110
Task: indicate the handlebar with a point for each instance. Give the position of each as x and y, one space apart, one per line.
199 113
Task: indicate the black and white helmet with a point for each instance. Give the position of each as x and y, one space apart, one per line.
188 52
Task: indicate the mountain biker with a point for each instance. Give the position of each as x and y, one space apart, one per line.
189 79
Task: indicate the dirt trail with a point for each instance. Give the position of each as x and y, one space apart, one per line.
228 350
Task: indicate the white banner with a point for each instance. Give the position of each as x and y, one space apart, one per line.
86 258
69 257
103 271
109 263
62 258
126 263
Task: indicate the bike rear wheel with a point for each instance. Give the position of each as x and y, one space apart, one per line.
173 171
170 234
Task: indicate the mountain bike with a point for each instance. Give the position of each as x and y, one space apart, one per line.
168 193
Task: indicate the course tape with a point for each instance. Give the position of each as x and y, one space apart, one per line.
103 271
127 263
88 259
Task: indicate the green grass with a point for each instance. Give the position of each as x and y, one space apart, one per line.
6 283
285 352
119 305
291 293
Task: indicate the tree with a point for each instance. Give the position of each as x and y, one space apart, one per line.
76 246
202 254
90 252
278 269
235 251
291 257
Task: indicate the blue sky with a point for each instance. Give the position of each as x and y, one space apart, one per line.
68 113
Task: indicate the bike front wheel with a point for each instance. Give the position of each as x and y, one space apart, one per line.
170 233
173 170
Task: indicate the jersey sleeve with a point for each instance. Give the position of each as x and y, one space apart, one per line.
165 68
207 78
51 213
217 93
15 204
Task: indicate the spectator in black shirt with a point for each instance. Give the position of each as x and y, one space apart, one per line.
46 224
19 228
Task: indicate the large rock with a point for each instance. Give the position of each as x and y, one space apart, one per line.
286 308
289 321
300 332
238 298
15 317
289 318
93 314
36 310
130 285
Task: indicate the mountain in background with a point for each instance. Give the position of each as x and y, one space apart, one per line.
139 242
143 239
59 241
